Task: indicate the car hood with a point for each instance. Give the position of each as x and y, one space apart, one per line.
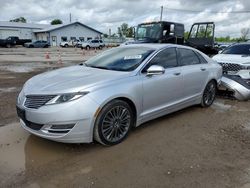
231 58
70 79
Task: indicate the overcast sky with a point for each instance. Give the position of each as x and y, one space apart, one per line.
105 14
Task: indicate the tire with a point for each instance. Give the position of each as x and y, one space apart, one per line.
31 46
87 47
100 47
113 123
209 93
66 45
46 46
8 45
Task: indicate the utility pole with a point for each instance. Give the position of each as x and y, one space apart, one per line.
69 17
161 13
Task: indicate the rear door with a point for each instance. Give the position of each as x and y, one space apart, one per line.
165 90
194 70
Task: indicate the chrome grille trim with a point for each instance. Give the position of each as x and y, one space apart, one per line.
232 67
36 101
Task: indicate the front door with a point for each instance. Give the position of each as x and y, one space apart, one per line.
54 40
162 91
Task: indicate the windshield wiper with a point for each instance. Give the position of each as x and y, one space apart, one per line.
99 67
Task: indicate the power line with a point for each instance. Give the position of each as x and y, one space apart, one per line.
216 12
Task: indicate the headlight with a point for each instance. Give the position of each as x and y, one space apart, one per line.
66 97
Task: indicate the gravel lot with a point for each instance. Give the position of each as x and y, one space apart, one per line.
195 147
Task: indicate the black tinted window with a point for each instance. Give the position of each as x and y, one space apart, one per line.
166 58
188 57
243 49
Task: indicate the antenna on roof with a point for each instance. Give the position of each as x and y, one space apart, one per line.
69 17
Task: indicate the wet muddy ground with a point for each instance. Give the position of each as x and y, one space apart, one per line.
195 147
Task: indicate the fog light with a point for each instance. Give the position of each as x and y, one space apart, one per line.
66 126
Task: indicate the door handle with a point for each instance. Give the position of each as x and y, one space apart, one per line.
177 73
203 69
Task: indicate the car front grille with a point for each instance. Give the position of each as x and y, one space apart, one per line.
36 101
226 67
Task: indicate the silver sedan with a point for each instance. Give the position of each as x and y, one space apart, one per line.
121 88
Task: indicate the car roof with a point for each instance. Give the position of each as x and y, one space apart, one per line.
155 46
241 43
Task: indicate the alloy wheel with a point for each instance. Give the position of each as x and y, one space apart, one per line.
116 123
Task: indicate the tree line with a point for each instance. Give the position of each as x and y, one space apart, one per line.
23 20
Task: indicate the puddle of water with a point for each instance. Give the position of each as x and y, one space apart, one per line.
30 67
12 142
221 107
18 69
20 151
8 89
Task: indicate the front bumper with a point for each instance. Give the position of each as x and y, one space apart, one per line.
70 122
241 90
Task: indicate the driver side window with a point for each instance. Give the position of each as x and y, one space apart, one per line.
166 58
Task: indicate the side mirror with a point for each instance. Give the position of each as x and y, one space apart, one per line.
155 70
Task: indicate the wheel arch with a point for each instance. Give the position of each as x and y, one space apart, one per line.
126 99
131 104
214 80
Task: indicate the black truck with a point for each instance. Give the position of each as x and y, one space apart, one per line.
201 35
13 41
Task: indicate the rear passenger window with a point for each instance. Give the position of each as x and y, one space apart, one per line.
188 57
166 58
201 58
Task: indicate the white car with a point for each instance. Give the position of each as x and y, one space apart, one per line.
95 43
71 43
103 98
235 61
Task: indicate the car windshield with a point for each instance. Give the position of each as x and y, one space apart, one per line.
243 49
120 59
149 31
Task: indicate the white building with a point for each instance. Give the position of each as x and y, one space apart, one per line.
21 30
52 33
